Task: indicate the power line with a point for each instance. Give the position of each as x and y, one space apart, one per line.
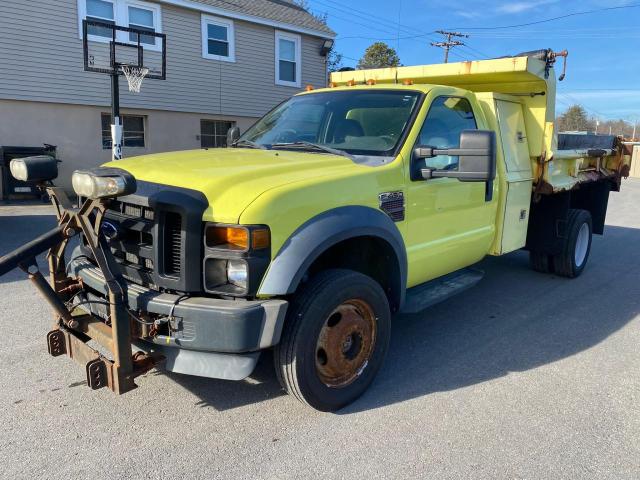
350 10
574 14
449 43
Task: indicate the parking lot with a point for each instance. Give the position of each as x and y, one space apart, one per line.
524 376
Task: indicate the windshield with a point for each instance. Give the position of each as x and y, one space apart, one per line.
357 122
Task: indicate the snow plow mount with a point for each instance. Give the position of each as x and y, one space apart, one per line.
73 327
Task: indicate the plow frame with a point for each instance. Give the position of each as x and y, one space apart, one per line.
74 328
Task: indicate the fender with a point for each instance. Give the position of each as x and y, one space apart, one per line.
318 234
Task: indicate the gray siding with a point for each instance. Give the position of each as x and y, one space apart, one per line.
41 60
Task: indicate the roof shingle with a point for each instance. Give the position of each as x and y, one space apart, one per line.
276 10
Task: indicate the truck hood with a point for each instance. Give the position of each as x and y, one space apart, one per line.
232 178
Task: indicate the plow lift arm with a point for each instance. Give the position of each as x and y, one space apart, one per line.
73 327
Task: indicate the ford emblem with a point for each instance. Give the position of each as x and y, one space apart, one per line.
109 230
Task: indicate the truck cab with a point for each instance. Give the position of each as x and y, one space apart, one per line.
340 208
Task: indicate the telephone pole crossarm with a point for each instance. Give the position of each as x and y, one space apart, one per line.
449 43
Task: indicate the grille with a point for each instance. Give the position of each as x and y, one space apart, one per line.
173 244
131 210
392 203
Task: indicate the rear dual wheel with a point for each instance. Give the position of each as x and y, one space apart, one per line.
571 261
335 339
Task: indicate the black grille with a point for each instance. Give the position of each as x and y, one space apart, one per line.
132 211
173 244
156 236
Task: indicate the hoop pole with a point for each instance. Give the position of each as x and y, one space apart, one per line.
116 123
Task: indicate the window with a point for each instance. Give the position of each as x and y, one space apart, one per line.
100 11
370 123
213 133
133 131
129 13
218 39
142 19
288 65
447 118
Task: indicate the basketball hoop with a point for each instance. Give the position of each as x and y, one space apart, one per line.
134 75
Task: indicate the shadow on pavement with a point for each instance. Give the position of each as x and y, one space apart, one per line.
513 321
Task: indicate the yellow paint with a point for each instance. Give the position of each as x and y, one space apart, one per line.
448 223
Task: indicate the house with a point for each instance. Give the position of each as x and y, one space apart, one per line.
228 63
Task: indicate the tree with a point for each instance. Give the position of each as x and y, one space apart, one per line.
379 55
575 119
334 61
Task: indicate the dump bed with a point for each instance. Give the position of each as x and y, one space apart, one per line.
531 81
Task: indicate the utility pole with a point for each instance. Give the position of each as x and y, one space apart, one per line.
449 43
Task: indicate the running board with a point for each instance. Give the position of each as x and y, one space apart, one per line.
440 289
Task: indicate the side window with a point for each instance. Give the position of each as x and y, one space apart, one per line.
447 118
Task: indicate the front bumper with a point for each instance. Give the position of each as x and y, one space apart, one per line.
213 337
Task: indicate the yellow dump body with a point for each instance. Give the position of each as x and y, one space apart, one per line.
525 80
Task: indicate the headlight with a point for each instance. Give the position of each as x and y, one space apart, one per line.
34 169
103 183
236 258
237 273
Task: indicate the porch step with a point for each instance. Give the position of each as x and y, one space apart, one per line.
440 289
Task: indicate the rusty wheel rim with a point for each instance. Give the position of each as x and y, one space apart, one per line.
345 343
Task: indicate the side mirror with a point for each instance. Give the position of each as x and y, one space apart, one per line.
38 169
233 134
477 157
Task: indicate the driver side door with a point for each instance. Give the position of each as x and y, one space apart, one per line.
451 223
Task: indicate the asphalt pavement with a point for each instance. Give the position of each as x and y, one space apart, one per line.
524 376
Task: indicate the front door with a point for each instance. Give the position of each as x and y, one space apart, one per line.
451 224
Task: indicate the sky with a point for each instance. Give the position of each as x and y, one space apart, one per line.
603 69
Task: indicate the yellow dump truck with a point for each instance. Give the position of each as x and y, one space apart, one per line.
338 209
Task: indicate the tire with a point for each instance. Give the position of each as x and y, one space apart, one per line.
342 309
577 245
541 262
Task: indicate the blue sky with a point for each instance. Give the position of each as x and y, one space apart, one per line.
604 47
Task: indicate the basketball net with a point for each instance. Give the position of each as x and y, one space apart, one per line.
134 75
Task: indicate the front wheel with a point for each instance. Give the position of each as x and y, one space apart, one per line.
335 339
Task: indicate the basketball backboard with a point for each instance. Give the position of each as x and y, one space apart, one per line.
107 47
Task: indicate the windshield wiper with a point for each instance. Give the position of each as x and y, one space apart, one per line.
313 146
249 144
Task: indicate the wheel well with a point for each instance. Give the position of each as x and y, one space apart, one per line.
593 197
371 256
547 222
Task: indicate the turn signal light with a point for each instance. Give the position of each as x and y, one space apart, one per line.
308 88
407 82
371 81
229 237
260 238
237 238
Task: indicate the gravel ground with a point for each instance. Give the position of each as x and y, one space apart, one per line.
524 376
